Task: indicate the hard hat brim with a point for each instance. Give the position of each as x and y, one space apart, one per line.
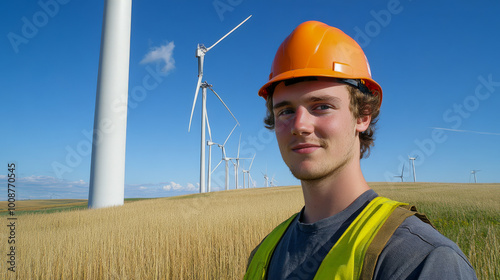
308 72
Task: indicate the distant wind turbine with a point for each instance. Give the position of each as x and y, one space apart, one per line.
412 159
266 178
247 171
401 176
272 182
224 158
237 164
473 173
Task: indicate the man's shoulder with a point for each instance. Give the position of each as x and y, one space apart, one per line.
416 248
414 229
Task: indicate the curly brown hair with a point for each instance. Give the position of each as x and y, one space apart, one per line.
361 104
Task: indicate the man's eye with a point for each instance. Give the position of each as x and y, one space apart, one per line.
284 112
323 107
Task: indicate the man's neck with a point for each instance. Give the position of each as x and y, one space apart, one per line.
330 195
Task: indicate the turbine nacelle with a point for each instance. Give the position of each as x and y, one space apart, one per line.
210 143
201 50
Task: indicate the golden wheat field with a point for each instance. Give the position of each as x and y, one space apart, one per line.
210 236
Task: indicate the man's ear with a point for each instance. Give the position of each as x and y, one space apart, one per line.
363 122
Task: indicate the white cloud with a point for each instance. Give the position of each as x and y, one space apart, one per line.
162 53
190 187
173 186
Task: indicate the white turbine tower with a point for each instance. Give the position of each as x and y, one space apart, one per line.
107 169
401 176
412 159
201 50
247 171
473 173
209 144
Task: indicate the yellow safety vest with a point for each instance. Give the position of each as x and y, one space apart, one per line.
355 254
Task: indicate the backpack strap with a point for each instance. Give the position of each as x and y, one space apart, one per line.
386 231
421 216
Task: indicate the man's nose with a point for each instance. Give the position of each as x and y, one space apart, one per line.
302 122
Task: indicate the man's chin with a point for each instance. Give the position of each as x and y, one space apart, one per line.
305 172
307 175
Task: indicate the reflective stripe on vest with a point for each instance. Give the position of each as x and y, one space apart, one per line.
345 259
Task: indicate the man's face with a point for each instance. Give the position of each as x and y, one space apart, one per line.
316 132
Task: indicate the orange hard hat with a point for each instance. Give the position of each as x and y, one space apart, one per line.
315 49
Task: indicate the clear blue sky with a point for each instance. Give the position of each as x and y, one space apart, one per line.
437 63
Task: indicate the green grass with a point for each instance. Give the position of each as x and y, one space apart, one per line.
468 214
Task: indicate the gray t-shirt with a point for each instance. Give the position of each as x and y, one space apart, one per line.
415 251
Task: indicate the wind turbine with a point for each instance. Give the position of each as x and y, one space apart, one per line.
248 173
401 176
210 143
272 182
224 158
473 172
237 164
201 50
266 178
205 85
412 159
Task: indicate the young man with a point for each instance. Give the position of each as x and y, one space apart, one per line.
323 105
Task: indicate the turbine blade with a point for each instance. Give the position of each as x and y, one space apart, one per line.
228 33
239 142
208 125
194 102
251 163
224 105
217 165
230 134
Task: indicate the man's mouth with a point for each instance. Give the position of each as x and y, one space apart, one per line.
305 148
